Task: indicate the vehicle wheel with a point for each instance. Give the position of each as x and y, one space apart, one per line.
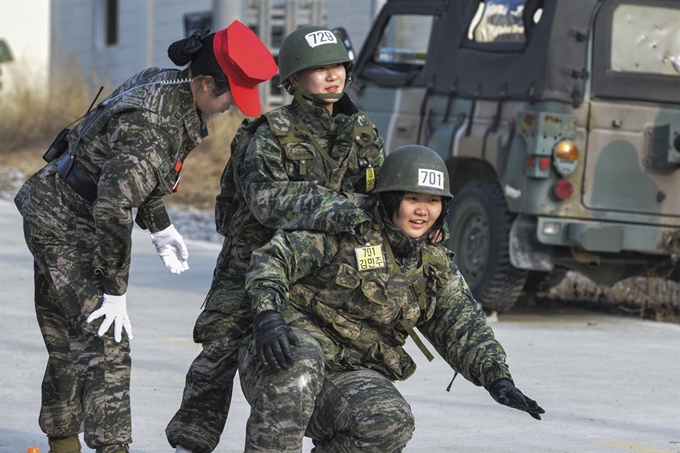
479 223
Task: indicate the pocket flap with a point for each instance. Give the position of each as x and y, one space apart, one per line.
299 151
347 277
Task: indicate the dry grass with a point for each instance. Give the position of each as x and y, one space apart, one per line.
31 115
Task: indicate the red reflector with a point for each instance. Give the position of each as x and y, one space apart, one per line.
544 163
531 162
178 166
563 189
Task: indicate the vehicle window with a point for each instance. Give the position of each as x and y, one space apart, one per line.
500 21
646 39
403 46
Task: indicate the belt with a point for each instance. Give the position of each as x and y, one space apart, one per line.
74 177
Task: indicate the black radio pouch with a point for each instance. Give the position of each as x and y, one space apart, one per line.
58 146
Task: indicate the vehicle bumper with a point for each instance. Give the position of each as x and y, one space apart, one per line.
596 236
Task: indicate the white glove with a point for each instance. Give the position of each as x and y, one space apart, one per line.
114 308
172 249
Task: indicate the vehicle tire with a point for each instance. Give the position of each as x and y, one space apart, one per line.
479 224
540 282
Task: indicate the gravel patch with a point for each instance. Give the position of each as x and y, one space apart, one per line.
10 183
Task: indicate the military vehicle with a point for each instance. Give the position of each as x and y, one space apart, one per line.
559 121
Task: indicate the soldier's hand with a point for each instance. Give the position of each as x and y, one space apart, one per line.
273 338
505 393
172 249
114 310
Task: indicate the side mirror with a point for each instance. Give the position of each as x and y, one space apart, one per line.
344 37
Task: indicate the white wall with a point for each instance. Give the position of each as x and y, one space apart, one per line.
356 16
146 29
24 25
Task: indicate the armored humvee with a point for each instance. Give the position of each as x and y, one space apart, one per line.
559 121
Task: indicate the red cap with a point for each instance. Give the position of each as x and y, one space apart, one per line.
246 62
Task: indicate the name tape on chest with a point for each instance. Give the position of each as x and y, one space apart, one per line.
321 37
430 178
370 178
369 257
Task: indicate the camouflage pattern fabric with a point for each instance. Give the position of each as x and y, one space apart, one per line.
342 411
290 176
360 318
209 384
313 279
129 146
86 387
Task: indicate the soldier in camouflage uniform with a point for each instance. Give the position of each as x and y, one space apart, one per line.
78 222
297 167
332 313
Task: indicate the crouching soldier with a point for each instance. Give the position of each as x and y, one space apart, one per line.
332 313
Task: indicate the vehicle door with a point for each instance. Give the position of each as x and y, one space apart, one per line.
633 156
393 69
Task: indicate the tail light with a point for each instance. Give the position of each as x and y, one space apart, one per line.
563 189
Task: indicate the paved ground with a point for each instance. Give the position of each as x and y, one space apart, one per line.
608 384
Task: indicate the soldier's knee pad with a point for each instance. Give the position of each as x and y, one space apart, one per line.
64 445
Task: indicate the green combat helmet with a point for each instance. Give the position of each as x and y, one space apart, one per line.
414 168
311 46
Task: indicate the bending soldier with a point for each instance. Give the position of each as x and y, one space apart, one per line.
125 154
333 311
287 170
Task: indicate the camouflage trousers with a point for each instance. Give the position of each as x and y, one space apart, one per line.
342 411
86 387
209 385
220 328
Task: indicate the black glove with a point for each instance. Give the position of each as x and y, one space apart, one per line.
273 338
505 393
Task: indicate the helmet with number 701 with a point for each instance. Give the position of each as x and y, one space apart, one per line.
311 46
414 168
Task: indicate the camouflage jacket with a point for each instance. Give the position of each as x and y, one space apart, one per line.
360 297
299 170
132 145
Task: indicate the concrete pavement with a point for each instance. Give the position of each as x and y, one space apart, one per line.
607 383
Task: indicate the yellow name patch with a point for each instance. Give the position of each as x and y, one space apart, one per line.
369 257
370 178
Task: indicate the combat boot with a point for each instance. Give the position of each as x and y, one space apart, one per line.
64 445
